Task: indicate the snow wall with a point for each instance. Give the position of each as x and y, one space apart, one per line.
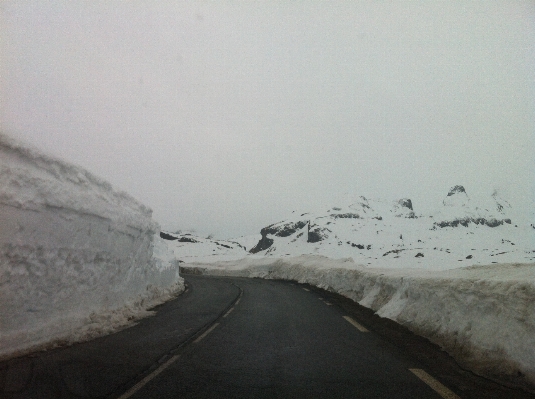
76 256
481 315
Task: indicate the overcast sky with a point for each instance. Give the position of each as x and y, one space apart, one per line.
225 116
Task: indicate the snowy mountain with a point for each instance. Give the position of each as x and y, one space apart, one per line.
391 234
188 246
458 210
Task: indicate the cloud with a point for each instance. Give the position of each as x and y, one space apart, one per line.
227 116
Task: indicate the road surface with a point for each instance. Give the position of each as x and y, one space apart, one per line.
250 338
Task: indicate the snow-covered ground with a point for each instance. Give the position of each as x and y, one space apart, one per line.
464 277
188 247
78 259
388 234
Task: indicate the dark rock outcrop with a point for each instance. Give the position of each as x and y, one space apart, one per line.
166 236
406 203
280 229
345 216
467 220
455 190
317 233
187 239
262 245
283 230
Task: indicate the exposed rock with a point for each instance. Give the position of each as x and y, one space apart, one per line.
455 190
282 229
317 233
467 220
457 196
345 216
262 245
166 236
406 203
187 239
419 255
394 251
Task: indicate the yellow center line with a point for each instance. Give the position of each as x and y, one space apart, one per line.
205 333
357 325
434 384
151 376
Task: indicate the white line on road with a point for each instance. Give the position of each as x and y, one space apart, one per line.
328 303
226 314
151 376
205 333
357 325
437 386
306 289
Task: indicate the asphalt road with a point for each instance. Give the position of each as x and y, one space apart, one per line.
249 338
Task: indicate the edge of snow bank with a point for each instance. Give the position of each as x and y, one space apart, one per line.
77 258
483 316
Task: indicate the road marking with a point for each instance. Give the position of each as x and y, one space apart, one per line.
357 325
328 303
238 301
151 376
434 384
205 333
230 310
306 289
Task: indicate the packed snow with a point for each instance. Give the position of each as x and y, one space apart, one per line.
78 258
464 276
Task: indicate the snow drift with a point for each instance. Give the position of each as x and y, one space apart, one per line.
77 259
482 315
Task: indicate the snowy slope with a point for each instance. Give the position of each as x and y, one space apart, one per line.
188 247
77 259
391 234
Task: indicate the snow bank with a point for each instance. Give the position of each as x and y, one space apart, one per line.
77 259
482 315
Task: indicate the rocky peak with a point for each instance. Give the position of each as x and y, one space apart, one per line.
406 203
455 190
456 197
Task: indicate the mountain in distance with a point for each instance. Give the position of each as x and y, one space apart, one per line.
379 233
391 234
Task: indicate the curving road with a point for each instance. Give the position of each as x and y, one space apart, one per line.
249 338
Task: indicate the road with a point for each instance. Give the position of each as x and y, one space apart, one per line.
250 338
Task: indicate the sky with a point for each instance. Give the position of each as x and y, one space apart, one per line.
226 116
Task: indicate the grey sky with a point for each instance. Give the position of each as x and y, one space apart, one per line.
225 116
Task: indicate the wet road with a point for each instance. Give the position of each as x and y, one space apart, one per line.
248 338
